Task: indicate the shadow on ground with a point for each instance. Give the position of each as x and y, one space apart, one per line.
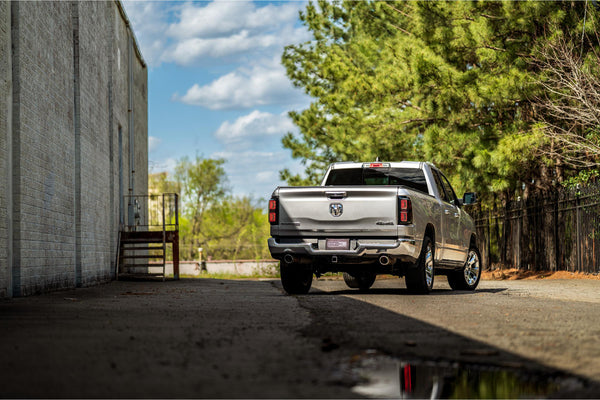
340 320
405 292
204 338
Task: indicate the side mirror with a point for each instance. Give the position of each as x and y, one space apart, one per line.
469 198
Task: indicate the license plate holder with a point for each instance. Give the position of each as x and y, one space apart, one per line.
337 244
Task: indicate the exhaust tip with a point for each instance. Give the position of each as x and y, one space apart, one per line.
288 259
384 260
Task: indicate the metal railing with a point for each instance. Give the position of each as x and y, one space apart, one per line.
154 212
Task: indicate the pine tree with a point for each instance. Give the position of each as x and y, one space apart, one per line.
447 82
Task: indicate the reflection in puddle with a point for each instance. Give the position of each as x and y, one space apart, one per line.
385 377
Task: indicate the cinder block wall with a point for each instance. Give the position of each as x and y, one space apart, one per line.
69 71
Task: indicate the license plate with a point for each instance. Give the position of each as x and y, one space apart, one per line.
337 244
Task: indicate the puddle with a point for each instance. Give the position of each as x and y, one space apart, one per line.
385 377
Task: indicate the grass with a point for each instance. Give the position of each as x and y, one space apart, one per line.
255 275
206 275
272 274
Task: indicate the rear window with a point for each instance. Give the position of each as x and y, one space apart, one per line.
408 177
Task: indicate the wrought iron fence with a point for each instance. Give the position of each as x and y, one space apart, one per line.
556 232
154 212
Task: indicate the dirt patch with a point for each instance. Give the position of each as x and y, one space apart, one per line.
516 274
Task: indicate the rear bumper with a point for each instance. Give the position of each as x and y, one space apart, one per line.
401 248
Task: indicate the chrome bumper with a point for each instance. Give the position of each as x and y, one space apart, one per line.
358 248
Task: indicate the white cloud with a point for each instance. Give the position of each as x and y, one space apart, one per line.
189 51
252 149
260 85
223 18
189 33
254 125
153 143
149 21
221 29
210 20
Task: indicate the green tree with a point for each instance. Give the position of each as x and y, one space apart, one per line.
203 184
226 227
448 82
159 183
236 229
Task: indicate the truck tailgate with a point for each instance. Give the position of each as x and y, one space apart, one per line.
350 211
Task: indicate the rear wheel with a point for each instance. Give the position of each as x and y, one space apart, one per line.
468 277
361 280
419 279
295 278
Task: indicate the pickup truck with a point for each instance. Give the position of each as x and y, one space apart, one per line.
398 218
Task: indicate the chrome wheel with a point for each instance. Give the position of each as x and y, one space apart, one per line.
472 268
467 278
429 266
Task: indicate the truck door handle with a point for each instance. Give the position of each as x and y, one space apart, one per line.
335 195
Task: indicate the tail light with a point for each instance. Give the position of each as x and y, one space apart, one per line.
404 210
406 379
273 211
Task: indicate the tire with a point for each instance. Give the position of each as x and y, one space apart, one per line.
362 281
419 279
296 279
467 278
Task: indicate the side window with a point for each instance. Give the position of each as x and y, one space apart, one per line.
440 186
449 191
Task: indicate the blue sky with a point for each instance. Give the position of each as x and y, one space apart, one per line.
217 87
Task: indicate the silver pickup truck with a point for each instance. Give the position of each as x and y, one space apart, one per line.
399 218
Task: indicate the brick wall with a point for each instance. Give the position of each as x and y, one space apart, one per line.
70 76
43 147
140 109
5 99
95 133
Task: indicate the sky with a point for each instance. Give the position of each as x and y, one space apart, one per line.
217 88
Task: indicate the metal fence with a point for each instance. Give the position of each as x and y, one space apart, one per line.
155 212
557 232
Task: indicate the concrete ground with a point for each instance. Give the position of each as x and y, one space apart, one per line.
202 338
188 338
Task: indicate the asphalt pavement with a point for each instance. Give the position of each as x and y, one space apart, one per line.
203 338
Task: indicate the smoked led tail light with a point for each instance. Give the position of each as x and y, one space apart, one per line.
404 210
273 211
